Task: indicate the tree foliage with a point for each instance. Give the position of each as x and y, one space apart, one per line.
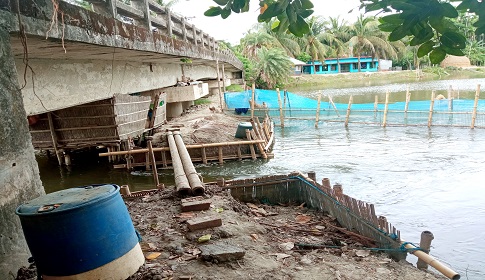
427 23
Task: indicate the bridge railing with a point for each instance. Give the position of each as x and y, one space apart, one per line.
153 16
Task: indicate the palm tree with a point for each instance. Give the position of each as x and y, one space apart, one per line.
310 42
254 41
284 40
366 37
335 36
273 66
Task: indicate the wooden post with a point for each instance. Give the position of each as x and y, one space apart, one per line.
251 147
376 103
475 105
408 98
164 159
223 78
219 85
386 107
431 106
154 164
239 155
333 105
326 183
253 93
260 145
282 118
204 155
67 159
450 98
54 138
317 116
147 160
221 156
312 175
425 244
351 99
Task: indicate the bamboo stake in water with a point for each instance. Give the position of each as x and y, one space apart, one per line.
450 99
431 106
253 89
333 104
282 119
475 105
348 111
376 103
318 110
425 244
386 107
408 98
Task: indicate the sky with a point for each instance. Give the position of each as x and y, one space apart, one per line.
233 28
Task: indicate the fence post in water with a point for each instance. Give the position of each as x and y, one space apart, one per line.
408 98
424 244
475 105
386 107
312 175
351 99
318 110
376 103
450 99
431 106
282 119
253 89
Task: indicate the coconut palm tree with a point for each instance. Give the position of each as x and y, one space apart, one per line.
310 42
284 40
273 66
336 35
366 37
254 41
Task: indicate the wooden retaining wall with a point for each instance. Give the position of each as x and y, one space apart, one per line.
353 214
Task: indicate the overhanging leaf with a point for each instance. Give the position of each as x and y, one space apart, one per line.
398 33
448 10
396 19
453 40
437 55
456 52
221 2
425 48
213 11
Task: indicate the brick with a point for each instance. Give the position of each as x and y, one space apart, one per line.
197 203
204 222
221 252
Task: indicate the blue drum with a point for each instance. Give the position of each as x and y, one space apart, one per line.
83 232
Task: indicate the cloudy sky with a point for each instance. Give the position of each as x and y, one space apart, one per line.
233 28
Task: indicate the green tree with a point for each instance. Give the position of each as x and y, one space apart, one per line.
310 42
367 38
254 41
273 66
426 22
336 35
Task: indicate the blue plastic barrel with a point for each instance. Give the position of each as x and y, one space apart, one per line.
241 129
82 232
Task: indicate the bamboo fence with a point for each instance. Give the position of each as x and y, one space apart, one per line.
257 145
440 113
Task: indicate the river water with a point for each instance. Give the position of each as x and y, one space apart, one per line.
419 178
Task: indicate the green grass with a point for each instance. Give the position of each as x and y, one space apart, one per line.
234 88
202 101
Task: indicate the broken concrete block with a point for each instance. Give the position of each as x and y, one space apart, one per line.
221 252
204 222
197 203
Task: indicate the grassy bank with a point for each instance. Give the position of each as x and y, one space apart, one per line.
346 80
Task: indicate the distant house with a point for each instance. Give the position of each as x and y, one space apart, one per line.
297 66
347 64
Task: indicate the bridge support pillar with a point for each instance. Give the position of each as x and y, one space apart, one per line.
19 173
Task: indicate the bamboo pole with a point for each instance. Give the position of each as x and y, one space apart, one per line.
54 138
192 176
446 271
386 107
317 116
285 96
260 145
425 244
219 85
450 98
475 105
431 107
408 98
164 159
351 99
251 147
181 181
204 155
333 105
154 164
376 104
253 90
239 154
282 118
194 146
220 155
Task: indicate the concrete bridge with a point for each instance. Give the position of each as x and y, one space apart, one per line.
55 55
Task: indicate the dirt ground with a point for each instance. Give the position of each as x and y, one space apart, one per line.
280 242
